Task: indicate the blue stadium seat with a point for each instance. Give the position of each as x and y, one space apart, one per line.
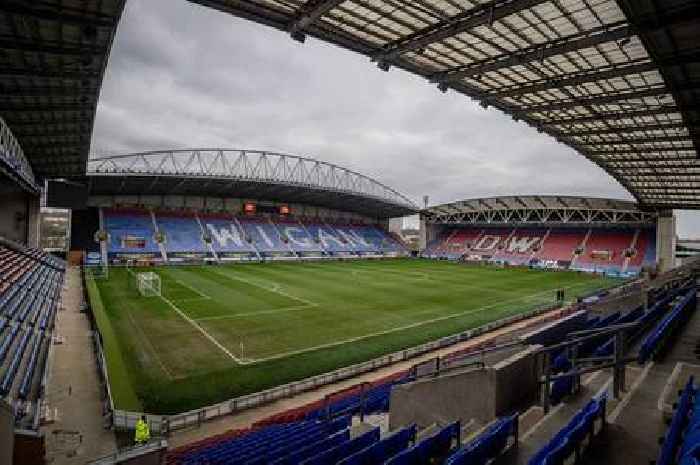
345 449
182 233
674 438
655 341
568 440
31 367
430 449
9 375
381 451
128 230
274 443
264 235
225 235
488 445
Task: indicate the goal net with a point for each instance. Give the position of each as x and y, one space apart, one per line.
148 284
97 272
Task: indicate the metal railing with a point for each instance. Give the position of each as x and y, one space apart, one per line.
248 166
12 155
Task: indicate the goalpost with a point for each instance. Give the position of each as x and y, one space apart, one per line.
148 284
97 272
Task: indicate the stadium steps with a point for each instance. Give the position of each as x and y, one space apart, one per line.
635 422
534 438
632 436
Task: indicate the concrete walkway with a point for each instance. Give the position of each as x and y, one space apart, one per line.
246 418
78 435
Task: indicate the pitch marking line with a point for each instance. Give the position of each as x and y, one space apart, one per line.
398 328
201 294
260 312
138 329
276 288
199 328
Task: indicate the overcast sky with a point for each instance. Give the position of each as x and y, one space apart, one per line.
184 76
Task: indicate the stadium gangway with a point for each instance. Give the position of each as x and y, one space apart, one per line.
578 433
616 360
489 444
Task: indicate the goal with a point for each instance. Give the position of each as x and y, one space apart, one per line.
148 284
97 272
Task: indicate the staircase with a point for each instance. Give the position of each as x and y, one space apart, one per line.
632 246
279 235
209 245
103 244
582 246
244 235
542 242
161 245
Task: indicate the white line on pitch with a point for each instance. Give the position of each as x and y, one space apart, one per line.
202 330
260 312
147 341
392 330
275 289
199 328
201 294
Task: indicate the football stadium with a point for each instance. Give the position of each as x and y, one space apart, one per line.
242 306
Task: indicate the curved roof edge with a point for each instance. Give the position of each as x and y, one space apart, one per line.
540 209
245 173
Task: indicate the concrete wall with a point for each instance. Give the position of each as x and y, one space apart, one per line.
459 395
33 221
7 434
516 381
481 393
426 233
14 216
666 240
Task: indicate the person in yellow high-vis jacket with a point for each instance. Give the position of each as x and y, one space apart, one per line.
143 434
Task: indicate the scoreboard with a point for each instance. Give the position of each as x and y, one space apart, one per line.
251 208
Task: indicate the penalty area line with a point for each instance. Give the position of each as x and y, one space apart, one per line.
203 331
200 329
276 288
201 294
259 312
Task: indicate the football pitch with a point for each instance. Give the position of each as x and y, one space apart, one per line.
222 331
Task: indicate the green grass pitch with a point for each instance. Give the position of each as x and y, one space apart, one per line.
222 331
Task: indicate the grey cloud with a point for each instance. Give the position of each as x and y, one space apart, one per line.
181 76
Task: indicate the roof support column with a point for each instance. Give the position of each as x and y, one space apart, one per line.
666 240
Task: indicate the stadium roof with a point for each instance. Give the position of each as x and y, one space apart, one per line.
247 174
539 209
617 80
53 54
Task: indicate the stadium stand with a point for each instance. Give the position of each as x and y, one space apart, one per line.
681 442
185 234
182 232
29 299
570 440
611 251
492 442
657 338
130 231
